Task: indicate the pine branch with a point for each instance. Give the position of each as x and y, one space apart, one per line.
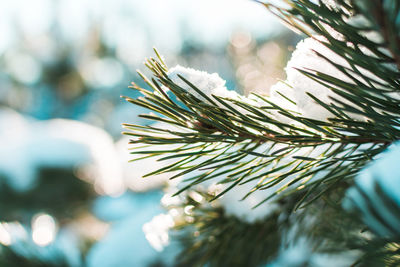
213 238
304 162
221 137
219 133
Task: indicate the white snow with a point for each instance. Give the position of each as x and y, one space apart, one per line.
304 57
209 84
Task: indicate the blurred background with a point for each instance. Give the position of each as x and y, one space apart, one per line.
68 196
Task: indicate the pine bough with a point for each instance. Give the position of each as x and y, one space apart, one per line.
265 179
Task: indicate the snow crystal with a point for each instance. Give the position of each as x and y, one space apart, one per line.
305 57
209 84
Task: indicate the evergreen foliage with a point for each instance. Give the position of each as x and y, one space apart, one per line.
308 163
